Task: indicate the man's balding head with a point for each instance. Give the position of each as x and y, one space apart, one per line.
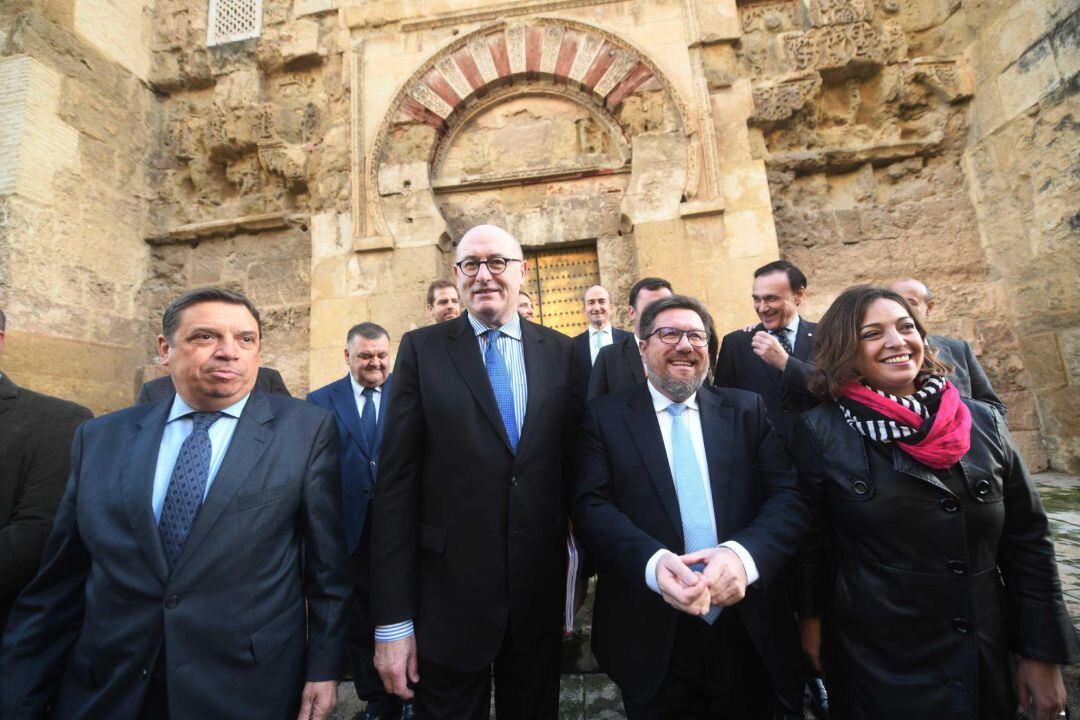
490 297
917 295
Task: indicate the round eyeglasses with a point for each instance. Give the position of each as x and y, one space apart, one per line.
672 336
495 265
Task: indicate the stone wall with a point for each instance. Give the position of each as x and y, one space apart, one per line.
73 142
871 119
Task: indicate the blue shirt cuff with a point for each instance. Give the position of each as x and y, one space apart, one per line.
397 631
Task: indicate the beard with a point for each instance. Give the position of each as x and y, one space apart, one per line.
678 389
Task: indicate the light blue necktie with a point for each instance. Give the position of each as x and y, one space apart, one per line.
184 496
698 532
499 377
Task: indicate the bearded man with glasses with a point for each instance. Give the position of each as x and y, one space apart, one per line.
468 543
688 504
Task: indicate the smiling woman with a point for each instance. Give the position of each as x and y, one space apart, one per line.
931 558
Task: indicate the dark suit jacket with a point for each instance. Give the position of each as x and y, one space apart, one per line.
626 509
617 366
968 375
268 381
469 539
785 392
35 455
584 355
358 461
230 616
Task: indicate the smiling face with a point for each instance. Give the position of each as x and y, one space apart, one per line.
678 370
597 306
446 305
369 360
890 348
213 356
492 299
774 301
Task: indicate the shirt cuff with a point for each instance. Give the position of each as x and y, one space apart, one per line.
397 631
748 563
650 570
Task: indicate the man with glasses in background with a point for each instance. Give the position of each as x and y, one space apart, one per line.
469 536
688 622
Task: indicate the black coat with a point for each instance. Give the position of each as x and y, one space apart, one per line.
468 539
926 580
967 374
254 606
35 458
626 509
267 381
584 354
617 366
784 392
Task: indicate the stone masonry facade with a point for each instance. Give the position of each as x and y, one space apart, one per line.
327 166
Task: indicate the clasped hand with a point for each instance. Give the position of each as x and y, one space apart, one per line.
722 580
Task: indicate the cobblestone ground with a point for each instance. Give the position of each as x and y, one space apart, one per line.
591 696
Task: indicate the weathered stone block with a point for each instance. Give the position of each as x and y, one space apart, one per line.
1032 449
822 13
659 173
1069 341
780 99
1031 77
300 41
1042 358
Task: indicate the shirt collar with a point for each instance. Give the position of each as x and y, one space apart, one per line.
511 328
793 326
661 401
605 329
181 408
357 388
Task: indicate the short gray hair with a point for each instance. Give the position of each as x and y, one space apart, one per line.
366 330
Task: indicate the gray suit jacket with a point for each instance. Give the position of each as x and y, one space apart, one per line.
968 375
254 607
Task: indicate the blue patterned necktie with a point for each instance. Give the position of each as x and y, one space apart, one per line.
499 377
187 486
367 418
781 335
698 531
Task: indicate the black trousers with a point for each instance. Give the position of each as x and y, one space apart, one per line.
360 641
526 686
715 673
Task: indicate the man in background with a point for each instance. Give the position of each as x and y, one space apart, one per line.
525 305
35 459
967 374
442 301
620 364
596 307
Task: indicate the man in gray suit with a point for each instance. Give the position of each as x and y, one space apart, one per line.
968 375
197 566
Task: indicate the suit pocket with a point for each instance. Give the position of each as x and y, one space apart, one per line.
245 501
433 538
274 633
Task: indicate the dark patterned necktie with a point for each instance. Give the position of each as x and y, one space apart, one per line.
187 486
781 335
367 418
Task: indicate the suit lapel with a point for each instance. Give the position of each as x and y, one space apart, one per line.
341 395
384 404
583 344
8 392
645 430
137 481
804 339
632 356
464 350
249 442
535 377
717 431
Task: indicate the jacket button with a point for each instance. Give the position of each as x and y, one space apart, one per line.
982 487
859 487
372 463
957 567
172 601
144 675
949 504
514 481
961 625
367 491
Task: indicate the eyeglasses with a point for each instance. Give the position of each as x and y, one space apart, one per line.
672 336
495 265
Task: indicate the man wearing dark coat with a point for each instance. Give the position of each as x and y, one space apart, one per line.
196 567
620 364
35 458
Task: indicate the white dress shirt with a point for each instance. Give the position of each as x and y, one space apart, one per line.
605 340
358 396
692 417
793 331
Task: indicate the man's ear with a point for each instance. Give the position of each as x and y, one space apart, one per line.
930 308
163 350
800 296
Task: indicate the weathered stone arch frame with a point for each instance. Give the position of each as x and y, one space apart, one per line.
510 59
